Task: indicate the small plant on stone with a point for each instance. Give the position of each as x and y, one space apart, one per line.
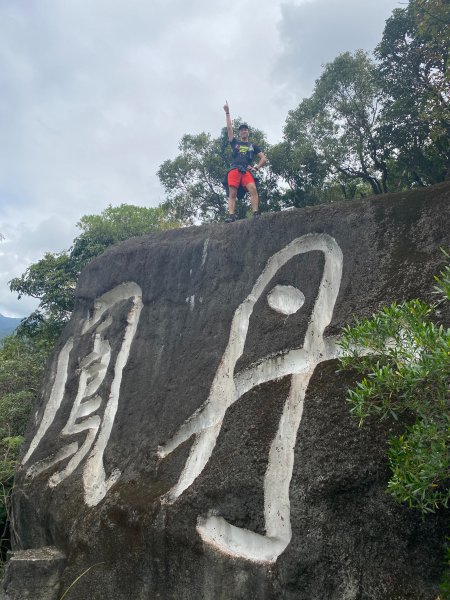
404 359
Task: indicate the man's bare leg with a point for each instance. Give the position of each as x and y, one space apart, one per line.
254 199
232 200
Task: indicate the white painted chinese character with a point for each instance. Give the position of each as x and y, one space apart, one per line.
228 387
84 417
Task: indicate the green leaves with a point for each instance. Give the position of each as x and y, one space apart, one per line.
9 450
22 361
420 463
413 64
443 282
193 179
53 278
370 126
380 125
115 224
341 123
404 360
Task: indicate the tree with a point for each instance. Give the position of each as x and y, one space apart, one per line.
53 278
407 373
23 355
22 361
301 169
414 67
193 180
340 125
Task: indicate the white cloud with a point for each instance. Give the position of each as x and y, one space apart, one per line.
314 32
96 94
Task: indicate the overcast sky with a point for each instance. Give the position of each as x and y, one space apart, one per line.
96 94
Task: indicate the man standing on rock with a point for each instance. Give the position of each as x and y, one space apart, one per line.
243 152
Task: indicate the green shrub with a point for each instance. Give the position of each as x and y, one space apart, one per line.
22 361
404 359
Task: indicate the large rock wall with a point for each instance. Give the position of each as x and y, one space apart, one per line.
193 440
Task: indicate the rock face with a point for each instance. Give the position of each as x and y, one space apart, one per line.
193 440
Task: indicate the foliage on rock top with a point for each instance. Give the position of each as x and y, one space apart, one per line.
52 279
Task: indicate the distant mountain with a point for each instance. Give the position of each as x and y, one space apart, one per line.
7 325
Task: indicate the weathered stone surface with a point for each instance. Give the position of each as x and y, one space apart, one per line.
33 574
165 453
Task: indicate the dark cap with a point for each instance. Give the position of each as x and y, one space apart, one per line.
243 126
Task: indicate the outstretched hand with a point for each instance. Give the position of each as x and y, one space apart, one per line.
226 108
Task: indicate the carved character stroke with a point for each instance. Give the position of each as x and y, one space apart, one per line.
227 387
84 417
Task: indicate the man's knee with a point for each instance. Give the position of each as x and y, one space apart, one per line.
251 187
233 192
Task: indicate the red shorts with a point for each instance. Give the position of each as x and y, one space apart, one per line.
236 178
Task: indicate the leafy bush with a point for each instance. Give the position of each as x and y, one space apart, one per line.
23 355
404 358
22 361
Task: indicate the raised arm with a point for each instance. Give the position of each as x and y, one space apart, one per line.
226 108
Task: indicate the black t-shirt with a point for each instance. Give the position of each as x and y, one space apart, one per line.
243 153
